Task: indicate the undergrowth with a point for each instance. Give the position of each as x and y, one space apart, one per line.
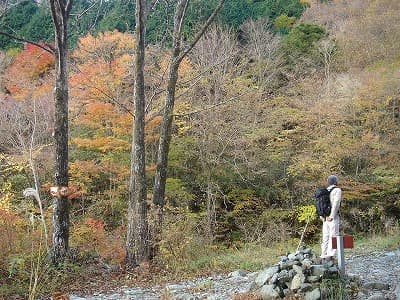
255 256
209 260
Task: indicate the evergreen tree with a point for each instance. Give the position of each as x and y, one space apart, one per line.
121 17
14 21
40 27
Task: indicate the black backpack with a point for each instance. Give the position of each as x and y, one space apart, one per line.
323 203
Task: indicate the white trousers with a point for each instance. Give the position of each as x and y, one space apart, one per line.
329 229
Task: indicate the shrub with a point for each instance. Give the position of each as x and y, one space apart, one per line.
333 289
182 242
91 238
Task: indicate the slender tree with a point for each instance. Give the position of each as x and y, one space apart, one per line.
60 10
137 242
179 52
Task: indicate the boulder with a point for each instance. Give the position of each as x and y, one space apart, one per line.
306 287
265 275
332 271
298 275
297 281
287 265
318 270
313 295
283 258
292 273
274 278
269 292
283 276
237 273
184 297
313 279
307 263
298 269
300 256
397 291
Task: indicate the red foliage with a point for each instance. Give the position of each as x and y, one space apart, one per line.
96 225
30 65
8 231
91 236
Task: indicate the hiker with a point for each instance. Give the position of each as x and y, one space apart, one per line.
330 225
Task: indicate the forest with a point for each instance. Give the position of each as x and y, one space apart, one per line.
272 98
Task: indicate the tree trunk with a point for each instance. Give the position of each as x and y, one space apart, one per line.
211 214
165 137
166 126
60 12
137 242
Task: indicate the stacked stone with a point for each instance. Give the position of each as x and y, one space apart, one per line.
298 273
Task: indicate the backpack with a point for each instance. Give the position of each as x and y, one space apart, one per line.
323 203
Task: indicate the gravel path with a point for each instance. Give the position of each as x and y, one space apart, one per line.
380 271
377 268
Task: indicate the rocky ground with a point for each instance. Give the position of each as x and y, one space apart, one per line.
378 273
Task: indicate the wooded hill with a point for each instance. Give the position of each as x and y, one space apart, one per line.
275 97
31 19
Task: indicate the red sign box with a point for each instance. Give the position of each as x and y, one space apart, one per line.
348 242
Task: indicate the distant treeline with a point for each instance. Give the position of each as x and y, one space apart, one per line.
31 20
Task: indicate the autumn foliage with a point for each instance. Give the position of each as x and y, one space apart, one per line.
91 237
254 133
28 71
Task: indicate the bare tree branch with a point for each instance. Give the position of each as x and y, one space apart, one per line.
86 10
6 6
152 5
202 30
177 56
108 96
68 7
48 47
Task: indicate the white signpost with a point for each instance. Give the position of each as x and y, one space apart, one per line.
340 243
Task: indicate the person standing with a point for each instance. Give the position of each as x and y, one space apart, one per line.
330 225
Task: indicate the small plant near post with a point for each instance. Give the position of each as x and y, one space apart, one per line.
334 289
306 213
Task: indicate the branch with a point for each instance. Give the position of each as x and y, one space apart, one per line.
153 115
167 31
6 6
86 10
179 16
49 48
155 94
152 5
202 31
195 78
68 8
54 12
111 98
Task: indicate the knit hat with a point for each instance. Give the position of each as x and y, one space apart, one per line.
332 179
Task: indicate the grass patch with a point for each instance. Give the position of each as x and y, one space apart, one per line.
249 257
256 256
252 257
334 289
375 242
366 243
